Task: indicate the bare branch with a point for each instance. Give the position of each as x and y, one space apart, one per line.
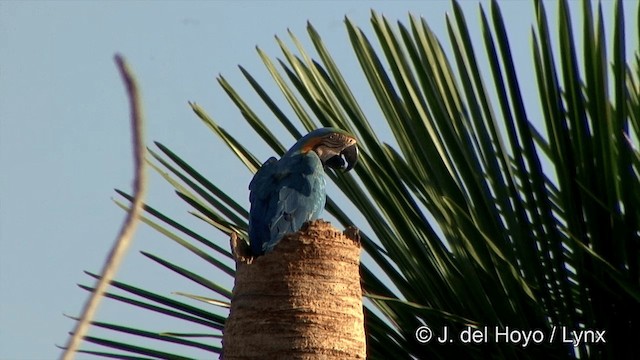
125 237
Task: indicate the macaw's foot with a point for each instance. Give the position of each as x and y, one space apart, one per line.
240 249
352 233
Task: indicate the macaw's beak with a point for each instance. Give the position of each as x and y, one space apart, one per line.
348 156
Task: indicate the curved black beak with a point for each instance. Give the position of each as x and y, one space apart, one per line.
348 156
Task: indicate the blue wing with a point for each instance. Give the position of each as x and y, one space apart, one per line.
284 195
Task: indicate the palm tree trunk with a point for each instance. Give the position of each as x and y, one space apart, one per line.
301 301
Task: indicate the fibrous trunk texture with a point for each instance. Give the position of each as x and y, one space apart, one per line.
301 301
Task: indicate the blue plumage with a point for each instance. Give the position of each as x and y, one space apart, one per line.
286 193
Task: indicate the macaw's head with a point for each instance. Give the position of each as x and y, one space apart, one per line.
336 148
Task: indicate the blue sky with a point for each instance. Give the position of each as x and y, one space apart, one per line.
64 136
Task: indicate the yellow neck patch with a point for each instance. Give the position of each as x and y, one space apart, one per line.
310 145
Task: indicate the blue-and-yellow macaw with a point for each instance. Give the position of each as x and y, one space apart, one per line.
286 193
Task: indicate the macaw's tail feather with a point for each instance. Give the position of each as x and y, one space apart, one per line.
302 300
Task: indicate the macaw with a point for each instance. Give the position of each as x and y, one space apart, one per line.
286 193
